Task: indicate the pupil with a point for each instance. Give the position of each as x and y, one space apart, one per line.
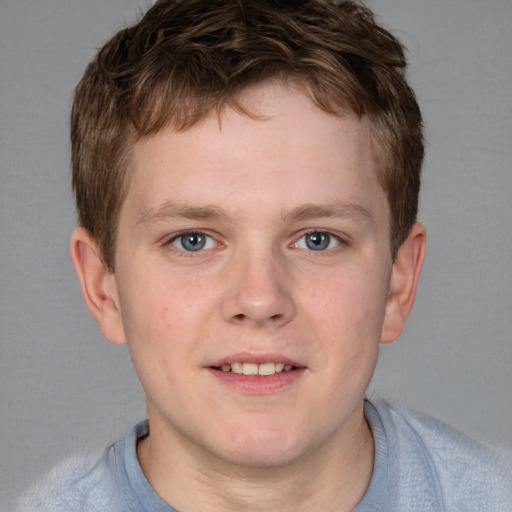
193 241
317 241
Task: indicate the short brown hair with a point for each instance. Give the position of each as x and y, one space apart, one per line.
187 58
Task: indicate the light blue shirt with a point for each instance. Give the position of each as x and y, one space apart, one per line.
421 465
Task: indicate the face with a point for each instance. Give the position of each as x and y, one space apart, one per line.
252 276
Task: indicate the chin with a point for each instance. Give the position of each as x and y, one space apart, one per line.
262 447
259 457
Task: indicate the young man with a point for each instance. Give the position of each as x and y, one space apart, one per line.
247 177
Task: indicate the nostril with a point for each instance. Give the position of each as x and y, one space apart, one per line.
255 309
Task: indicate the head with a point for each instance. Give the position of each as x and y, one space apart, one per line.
247 177
187 59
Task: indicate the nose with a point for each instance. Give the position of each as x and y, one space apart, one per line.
259 292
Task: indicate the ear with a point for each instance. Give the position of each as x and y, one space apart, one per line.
405 274
99 287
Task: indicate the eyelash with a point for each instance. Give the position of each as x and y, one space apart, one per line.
188 253
209 239
340 242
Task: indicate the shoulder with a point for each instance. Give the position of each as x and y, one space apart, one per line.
467 474
80 483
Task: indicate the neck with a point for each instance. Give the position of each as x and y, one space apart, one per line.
334 477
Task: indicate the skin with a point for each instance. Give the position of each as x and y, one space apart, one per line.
256 292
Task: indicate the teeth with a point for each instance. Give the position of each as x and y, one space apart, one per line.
236 368
267 369
256 369
249 369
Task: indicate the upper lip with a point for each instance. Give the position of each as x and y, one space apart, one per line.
244 357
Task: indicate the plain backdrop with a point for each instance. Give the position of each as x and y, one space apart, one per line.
64 389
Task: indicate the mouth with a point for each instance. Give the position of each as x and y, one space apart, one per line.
257 375
262 369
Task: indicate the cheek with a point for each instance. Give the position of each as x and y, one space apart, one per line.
152 299
348 314
154 325
165 312
356 299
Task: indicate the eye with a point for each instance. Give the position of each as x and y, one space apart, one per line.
192 241
318 241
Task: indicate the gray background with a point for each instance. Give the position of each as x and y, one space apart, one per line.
64 389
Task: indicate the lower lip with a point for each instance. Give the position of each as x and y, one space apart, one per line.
258 384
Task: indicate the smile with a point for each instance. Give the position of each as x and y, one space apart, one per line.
263 369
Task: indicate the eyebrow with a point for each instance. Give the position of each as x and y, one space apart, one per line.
172 209
329 209
333 209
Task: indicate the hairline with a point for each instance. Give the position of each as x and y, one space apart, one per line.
235 101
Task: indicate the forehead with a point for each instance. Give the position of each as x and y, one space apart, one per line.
287 148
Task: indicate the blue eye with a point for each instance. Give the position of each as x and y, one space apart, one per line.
193 241
318 241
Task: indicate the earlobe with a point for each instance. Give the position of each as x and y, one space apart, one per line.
99 288
405 275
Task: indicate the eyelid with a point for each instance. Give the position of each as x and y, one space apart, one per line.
169 241
341 241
